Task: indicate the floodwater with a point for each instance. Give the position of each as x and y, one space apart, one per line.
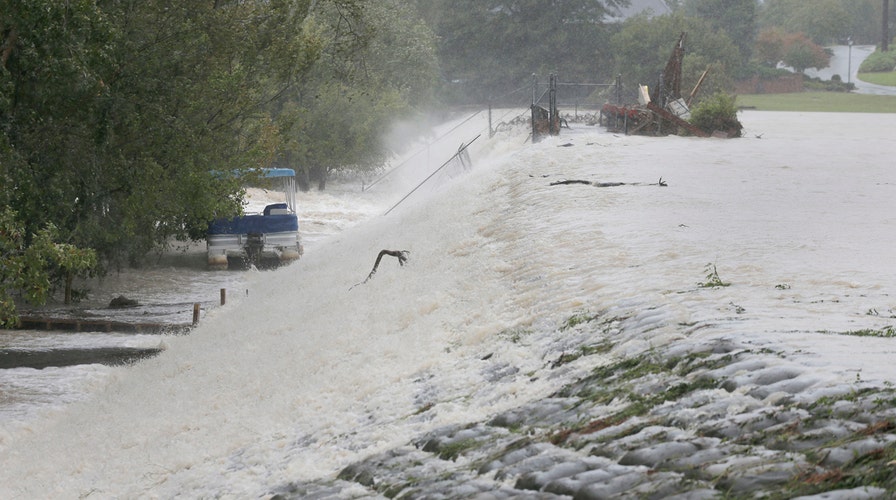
307 373
44 371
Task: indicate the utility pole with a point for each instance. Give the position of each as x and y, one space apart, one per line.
849 61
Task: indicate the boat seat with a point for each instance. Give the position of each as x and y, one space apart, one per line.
276 209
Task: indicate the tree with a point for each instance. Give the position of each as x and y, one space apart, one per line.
491 48
378 65
121 122
736 18
118 117
801 53
644 44
823 21
32 265
769 48
795 50
863 17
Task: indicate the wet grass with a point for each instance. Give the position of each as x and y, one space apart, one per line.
819 101
888 79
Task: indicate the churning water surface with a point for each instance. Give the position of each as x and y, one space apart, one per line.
308 372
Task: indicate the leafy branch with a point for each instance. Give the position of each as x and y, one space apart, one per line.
712 277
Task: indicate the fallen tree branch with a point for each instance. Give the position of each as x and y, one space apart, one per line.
573 181
401 255
660 183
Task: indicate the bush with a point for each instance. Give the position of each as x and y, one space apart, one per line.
879 62
717 112
765 72
29 267
835 84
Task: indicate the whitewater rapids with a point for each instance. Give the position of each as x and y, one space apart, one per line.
305 374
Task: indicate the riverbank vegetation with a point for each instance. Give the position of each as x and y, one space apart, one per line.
117 120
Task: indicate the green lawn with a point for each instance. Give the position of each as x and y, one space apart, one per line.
888 79
819 101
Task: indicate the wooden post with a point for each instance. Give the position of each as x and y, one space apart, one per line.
697 87
195 313
223 296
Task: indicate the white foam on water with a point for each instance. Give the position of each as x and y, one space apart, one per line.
308 373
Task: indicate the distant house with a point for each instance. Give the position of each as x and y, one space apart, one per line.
649 7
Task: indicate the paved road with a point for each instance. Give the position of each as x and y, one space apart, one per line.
846 62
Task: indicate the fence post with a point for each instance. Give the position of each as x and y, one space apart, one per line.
491 132
195 313
553 114
619 88
223 296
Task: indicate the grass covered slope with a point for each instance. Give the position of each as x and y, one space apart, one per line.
819 101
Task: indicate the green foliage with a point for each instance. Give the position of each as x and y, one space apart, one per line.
31 266
794 49
491 48
835 84
643 46
718 112
826 21
712 278
801 53
117 114
823 21
378 65
454 449
886 332
577 319
116 118
736 18
879 61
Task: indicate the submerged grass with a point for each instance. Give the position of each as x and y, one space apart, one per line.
819 101
886 332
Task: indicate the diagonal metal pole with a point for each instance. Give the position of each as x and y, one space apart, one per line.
437 139
460 150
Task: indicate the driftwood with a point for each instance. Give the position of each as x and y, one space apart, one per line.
660 183
401 255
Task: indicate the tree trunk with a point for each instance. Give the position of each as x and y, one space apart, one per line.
69 277
303 179
885 28
321 174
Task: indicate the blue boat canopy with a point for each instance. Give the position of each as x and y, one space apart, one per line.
265 172
279 172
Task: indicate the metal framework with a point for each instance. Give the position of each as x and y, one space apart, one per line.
546 121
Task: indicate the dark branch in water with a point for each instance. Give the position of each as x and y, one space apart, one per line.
558 183
660 183
401 255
